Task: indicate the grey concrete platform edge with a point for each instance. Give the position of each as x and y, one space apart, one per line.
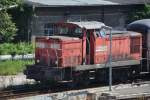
121 91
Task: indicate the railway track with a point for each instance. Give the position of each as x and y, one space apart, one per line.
9 94
24 92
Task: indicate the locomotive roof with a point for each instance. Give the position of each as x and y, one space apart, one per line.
89 24
63 37
139 25
122 33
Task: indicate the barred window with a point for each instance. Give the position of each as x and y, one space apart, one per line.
48 29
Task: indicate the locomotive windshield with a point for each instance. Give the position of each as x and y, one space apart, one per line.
67 31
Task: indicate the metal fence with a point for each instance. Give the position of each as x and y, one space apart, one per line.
17 57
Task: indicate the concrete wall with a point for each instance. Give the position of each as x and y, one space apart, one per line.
13 80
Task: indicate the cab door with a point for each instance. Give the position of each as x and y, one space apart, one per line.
99 48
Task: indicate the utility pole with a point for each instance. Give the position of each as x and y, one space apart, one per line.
110 59
109 29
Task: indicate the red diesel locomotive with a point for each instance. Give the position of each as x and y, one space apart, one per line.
80 51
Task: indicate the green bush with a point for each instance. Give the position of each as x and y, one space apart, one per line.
12 67
19 48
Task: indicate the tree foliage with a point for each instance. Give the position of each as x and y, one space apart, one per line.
7 3
140 13
7 27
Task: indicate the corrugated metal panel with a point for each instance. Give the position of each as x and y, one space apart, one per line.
99 2
57 3
89 24
129 2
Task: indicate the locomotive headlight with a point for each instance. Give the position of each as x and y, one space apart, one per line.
37 60
56 62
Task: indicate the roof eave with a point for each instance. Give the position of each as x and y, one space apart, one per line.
82 5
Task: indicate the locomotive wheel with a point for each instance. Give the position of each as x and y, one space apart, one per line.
118 75
134 72
123 77
48 83
82 79
85 81
102 76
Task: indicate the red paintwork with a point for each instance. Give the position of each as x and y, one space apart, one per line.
136 43
62 51
84 47
121 45
67 53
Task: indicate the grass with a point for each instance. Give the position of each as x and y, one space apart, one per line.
12 67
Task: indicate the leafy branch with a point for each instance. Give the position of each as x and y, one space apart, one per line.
4 4
7 27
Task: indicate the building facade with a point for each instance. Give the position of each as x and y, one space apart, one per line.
112 13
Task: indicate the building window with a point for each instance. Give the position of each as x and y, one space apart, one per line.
48 29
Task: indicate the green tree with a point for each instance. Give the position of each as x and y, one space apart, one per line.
140 13
7 27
